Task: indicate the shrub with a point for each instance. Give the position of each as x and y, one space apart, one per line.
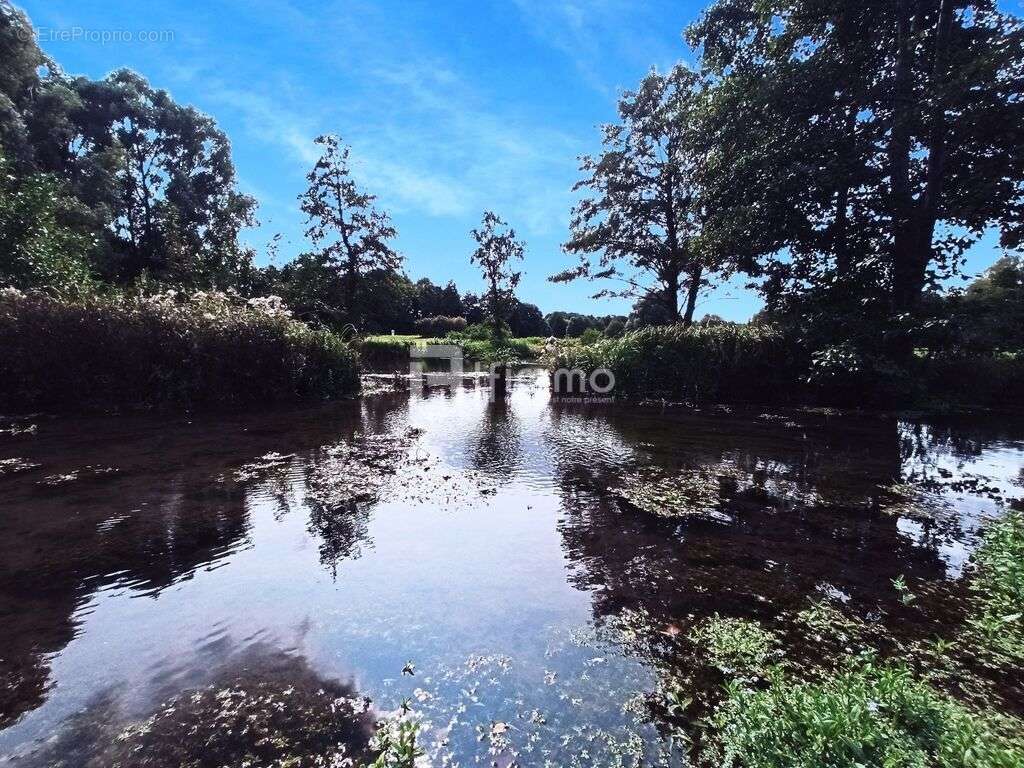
867 715
993 380
205 349
715 362
440 325
378 353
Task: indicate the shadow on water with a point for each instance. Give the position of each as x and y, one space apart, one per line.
539 561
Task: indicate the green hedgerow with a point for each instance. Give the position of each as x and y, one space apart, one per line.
203 349
750 362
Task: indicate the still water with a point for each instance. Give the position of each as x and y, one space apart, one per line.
519 561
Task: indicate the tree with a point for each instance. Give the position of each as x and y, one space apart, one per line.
645 212
497 248
989 316
527 320
353 236
36 249
858 148
150 179
614 328
435 301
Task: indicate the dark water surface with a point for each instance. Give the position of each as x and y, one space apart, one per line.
525 557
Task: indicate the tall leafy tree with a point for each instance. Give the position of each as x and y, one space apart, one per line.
351 234
644 213
497 248
858 148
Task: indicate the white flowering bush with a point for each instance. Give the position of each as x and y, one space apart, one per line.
171 347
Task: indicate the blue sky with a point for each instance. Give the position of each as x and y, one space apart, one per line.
450 107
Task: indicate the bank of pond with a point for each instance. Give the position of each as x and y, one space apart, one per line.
208 349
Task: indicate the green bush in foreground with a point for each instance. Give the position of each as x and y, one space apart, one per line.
869 714
207 349
702 362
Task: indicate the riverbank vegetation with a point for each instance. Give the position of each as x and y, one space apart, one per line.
876 702
912 111
165 349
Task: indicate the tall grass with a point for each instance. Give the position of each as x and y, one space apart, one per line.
206 349
703 362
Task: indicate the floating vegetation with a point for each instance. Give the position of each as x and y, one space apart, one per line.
273 712
828 624
357 470
85 473
259 469
16 465
18 429
701 491
737 646
696 492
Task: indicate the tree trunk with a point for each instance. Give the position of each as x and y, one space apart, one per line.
671 298
915 249
904 239
692 291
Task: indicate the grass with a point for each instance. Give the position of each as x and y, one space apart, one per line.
391 353
167 350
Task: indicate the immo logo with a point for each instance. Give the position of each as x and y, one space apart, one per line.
567 384
579 386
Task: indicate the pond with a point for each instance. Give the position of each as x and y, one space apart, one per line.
514 573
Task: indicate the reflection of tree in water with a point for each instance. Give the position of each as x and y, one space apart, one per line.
173 507
260 708
762 554
497 441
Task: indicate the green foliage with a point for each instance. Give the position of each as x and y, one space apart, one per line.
497 249
992 380
737 646
36 248
352 236
440 325
869 714
169 349
825 182
396 742
714 362
998 587
644 210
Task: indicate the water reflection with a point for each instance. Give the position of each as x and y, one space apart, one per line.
505 547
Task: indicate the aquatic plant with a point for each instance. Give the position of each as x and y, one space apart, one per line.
998 587
263 709
169 349
868 714
737 646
